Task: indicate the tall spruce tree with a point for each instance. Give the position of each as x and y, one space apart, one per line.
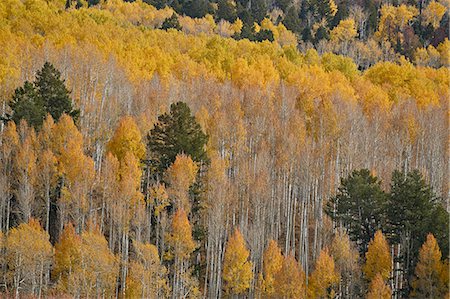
46 95
175 133
358 206
412 212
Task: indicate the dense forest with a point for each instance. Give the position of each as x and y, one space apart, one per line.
250 149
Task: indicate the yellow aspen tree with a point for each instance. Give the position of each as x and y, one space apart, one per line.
29 256
378 288
98 266
433 13
129 206
146 276
25 166
346 259
378 258
67 267
429 281
290 280
8 146
324 278
127 138
272 263
181 246
46 177
180 176
237 269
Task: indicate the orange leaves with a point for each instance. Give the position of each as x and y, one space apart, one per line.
127 137
433 14
379 289
290 280
431 273
324 277
180 238
378 258
180 176
28 254
237 270
272 264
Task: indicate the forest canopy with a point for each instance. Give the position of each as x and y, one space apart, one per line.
198 149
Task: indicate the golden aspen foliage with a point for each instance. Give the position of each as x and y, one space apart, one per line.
67 265
433 13
98 266
378 288
131 203
378 258
180 238
333 7
237 269
28 255
26 174
272 263
325 277
344 31
180 176
430 274
146 275
344 254
160 197
393 20
66 142
444 51
127 138
290 280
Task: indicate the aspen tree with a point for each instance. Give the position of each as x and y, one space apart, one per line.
378 288
378 258
290 280
324 279
430 280
181 247
67 268
29 255
272 264
237 270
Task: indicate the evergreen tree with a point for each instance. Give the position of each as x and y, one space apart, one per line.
53 92
358 206
26 104
176 132
171 23
412 212
47 94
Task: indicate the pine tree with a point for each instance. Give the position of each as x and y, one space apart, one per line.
47 94
378 258
237 270
27 104
171 23
429 280
53 92
358 206
176 132
413 211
